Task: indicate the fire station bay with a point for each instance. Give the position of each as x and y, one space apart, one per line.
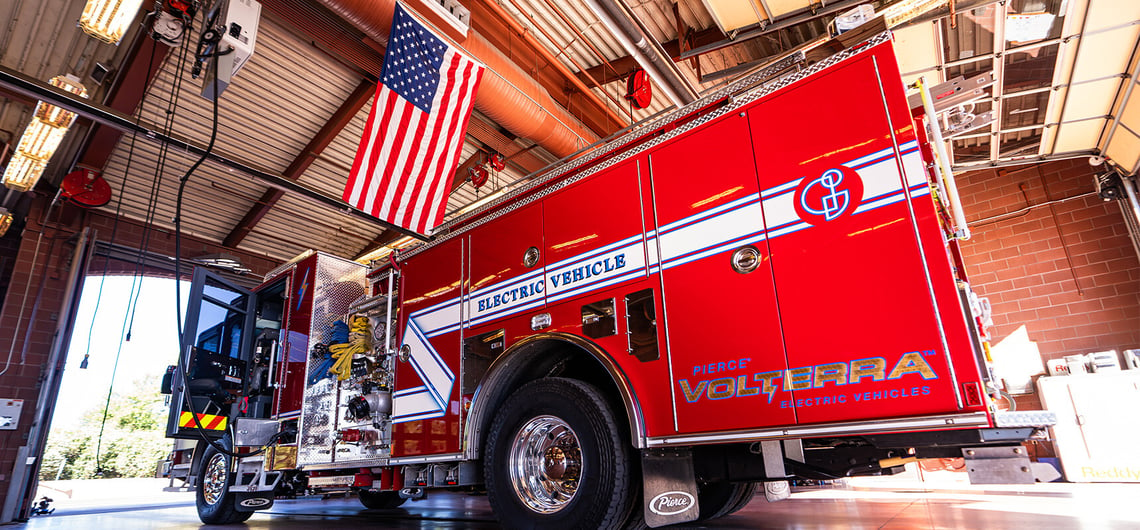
569 264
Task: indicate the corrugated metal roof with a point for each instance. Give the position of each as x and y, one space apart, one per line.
276 103
294 225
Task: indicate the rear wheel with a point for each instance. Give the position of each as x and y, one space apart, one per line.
380 500
718 499
556 458
216 505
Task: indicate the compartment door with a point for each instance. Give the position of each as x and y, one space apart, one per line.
213 355
723 330
425 401
860 324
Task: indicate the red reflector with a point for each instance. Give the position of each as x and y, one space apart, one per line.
362 480
973 392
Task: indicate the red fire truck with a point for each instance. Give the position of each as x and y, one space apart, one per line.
760 286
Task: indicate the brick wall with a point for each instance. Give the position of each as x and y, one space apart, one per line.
1067 270
23 379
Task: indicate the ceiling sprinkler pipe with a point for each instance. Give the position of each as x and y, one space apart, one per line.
649 55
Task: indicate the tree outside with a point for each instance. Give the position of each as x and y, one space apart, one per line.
133 438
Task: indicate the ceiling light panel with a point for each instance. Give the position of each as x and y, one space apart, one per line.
735 14
1101 54
1124 149
1078 136
914 47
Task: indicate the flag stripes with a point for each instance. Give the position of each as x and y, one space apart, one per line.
410 149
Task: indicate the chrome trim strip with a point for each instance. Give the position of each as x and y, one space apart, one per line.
348 465
976 419
959 216
384 462
452 457
334 480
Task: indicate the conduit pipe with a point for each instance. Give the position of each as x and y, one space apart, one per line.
506 94
616 17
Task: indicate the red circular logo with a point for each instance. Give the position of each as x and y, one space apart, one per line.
833 194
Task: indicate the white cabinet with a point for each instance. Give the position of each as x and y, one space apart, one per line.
1098 424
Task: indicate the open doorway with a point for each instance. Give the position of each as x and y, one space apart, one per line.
106 446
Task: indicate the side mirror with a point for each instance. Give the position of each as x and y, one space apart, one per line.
168 380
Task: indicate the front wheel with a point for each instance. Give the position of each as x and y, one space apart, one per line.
557 458
216 504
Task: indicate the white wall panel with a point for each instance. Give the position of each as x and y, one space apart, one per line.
1079 136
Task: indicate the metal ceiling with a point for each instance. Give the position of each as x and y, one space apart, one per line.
277 102
1055 96
1064 94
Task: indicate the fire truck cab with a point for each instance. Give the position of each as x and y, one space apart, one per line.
756 287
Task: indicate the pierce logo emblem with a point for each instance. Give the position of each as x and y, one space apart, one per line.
835 193
254 502
671 503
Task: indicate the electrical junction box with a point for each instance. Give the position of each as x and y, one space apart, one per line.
10 413
239 20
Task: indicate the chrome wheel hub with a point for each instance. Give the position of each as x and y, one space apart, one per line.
545 464
214 479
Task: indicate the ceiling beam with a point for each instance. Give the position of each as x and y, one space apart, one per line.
328 132
496 140
461 172
144 56
627 64
331 34
777 24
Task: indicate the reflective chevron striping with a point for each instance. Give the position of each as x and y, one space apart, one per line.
209 421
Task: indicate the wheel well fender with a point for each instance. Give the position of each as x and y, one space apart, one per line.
545 355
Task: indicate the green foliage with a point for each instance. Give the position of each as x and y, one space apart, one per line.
133 439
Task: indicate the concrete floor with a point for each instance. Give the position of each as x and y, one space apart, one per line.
885 502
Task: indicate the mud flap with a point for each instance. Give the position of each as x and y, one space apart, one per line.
777 490
998 465
251 501
670 487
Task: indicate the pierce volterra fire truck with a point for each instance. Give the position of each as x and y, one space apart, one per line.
759 286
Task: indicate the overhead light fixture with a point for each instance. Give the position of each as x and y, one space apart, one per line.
41 138
383 251
732 15
475 205
222 261
108 20
5 221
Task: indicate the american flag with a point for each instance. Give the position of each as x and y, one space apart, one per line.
413 138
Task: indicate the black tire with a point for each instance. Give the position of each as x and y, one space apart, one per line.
214 480
718 499
380 500
566 422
